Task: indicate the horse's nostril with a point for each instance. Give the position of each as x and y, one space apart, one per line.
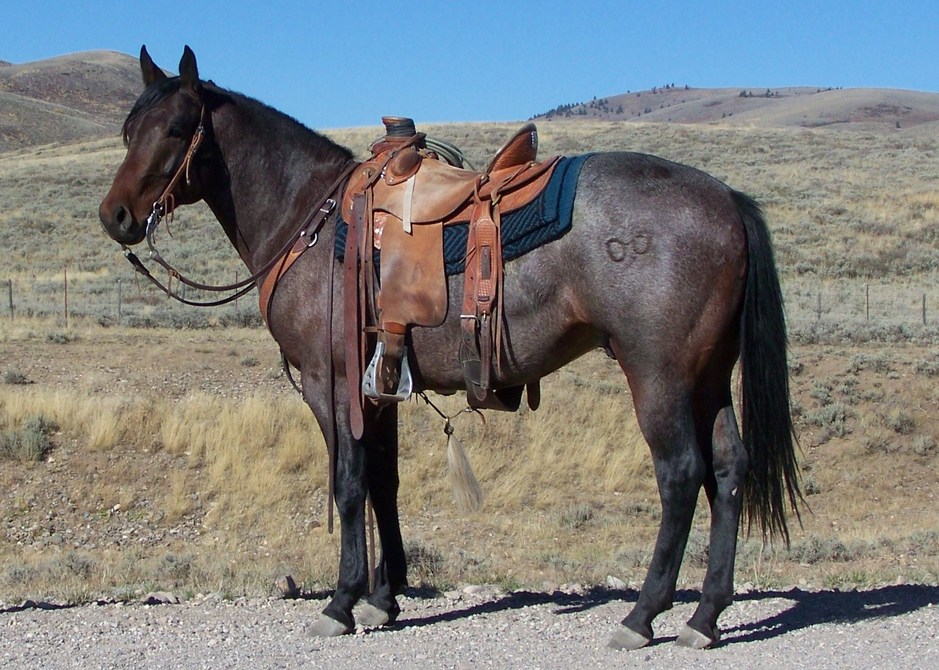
120 216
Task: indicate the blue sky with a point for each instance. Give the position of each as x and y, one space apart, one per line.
338 64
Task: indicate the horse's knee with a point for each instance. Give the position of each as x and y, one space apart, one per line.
349 497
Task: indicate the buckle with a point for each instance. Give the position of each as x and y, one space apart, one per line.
313 240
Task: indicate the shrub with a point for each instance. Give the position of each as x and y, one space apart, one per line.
241 318
810 486
923 445
59 337
425 564
29 444
576 516
900 422
815 549
879 442
927 368
832 418
14 377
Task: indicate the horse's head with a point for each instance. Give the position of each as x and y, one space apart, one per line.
162 135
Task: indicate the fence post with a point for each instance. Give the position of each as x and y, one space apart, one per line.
867 302
818 306
10 296
120 300
65 281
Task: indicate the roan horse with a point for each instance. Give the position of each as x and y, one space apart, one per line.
668 269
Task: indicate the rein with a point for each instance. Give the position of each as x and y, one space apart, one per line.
310 229
165 205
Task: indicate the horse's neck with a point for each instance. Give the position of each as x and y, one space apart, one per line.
269 184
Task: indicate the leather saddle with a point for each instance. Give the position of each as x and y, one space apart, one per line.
397 202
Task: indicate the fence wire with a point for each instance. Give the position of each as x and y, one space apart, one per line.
129 301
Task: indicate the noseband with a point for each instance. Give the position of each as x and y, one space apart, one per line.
166 204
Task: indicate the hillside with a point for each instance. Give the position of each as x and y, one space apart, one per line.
84 96
762 107
66 99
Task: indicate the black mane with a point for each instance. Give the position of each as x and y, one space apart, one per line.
280 122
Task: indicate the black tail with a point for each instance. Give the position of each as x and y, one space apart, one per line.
767 426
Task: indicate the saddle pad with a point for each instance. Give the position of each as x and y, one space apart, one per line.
545 219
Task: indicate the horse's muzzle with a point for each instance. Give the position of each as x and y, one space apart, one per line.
120 224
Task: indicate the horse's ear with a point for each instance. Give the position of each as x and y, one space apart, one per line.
149 69
188 71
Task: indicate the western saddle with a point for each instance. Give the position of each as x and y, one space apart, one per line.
396 204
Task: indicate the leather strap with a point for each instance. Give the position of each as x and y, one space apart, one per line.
303 239
481 316
351 316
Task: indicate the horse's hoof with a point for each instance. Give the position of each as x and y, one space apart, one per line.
328 627
689 637
628 639
370 616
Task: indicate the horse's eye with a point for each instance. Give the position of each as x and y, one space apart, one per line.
175 131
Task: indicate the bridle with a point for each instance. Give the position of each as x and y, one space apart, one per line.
165 205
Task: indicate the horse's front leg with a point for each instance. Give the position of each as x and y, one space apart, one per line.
382 477
365 466
350 491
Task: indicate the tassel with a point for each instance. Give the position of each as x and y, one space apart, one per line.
467 494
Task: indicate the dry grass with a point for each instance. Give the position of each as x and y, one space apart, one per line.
223 491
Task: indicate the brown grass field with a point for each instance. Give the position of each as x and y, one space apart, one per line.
144 446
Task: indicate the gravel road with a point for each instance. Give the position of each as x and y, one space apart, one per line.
894 627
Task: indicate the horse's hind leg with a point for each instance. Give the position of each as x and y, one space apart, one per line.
666 417
724 486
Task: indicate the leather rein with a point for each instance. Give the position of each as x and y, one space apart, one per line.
165 205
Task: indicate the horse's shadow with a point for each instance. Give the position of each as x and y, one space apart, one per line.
808 608
819 607
27 605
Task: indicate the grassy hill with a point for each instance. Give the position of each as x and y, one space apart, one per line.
761 107
67 98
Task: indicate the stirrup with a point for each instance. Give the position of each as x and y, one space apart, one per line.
370 378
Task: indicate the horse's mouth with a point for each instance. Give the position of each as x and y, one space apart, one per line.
121 225
126 238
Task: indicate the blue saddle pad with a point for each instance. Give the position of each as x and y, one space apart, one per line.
543 220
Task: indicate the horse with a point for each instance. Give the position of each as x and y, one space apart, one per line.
665 267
